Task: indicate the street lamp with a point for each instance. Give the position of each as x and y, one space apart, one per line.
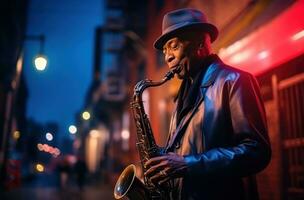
40 60
11 99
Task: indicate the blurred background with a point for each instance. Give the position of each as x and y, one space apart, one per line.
67 72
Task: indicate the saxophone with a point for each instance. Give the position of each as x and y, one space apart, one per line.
128 185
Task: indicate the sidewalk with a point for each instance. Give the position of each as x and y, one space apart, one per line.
104 192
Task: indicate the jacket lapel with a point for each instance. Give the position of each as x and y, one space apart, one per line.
172 127
207 81
183 124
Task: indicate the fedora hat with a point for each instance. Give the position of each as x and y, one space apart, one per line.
184 19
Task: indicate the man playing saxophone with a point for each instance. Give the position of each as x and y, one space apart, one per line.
218 135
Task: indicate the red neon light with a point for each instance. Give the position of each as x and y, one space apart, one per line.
273 44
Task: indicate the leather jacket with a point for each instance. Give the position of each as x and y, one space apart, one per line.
223 139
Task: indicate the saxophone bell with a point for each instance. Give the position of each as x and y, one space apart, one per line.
128 185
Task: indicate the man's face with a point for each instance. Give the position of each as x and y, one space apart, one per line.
178 52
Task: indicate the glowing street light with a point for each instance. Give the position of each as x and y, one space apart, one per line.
49 136
86 115
72 129
39 167
40 62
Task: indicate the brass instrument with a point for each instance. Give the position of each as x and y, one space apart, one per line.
128 185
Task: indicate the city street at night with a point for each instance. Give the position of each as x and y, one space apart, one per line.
152 99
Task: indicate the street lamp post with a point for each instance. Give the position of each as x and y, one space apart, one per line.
40 60
11 99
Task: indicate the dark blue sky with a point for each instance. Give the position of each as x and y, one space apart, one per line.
57 93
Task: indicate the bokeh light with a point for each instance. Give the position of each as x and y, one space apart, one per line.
39 167
16 135
49 136
86 115
40 147
125 134
72 129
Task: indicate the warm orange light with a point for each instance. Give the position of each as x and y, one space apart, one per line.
16 135
40 147
94 133
39 167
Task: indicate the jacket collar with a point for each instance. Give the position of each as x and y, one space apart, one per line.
208 79
211 73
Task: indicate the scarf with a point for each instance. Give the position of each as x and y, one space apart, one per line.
189 89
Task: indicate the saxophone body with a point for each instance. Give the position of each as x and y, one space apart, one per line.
128 185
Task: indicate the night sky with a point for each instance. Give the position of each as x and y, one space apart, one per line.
56 94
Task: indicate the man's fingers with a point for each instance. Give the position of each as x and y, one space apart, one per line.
167 171
158 177
155 160
154 168
150 171
164 181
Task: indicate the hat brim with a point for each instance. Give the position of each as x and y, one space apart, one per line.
209 28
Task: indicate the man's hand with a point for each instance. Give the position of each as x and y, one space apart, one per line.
163 168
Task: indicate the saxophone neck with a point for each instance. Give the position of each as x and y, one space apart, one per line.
142 85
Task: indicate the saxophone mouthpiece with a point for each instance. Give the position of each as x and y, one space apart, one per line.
177 69
171 72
